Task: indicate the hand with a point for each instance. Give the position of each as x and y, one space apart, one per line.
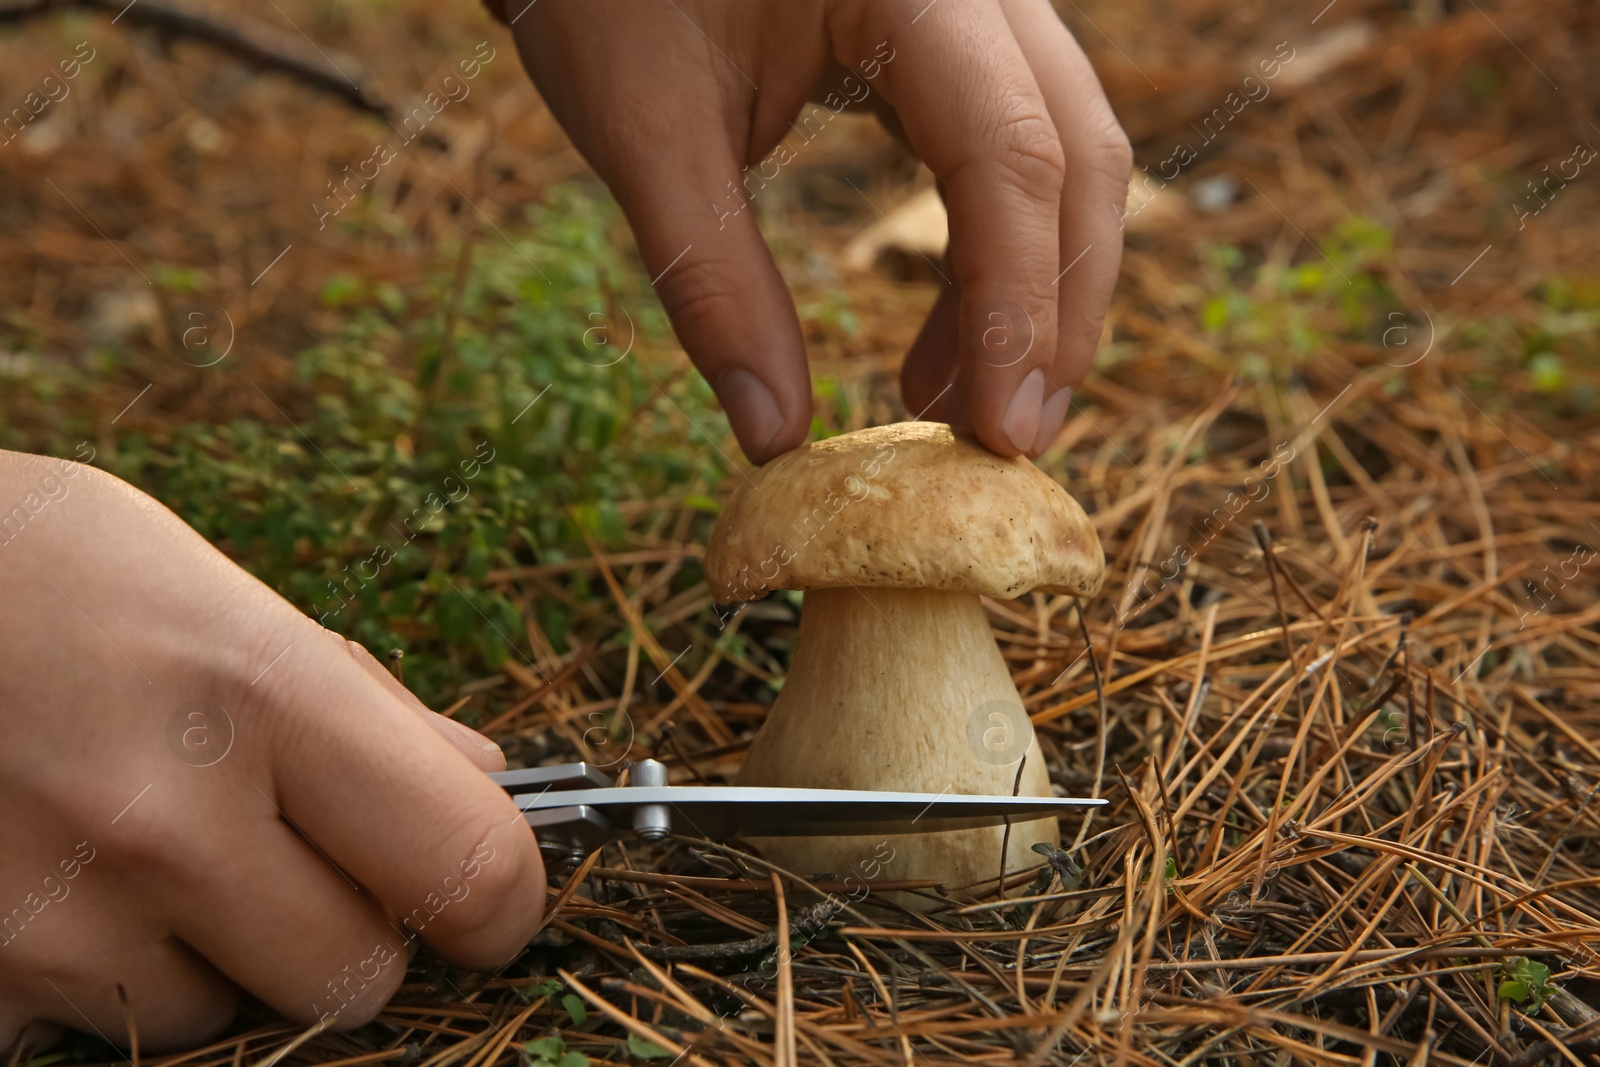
995 96
202 790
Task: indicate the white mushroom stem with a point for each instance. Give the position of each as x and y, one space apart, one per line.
900 689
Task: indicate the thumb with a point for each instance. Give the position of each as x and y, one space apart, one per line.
694 219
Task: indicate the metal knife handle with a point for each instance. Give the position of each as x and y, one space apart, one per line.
561 776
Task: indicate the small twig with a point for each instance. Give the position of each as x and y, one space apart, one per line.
1411 707
808 922
1100 725
1387 695
784 1038
304 1036
1450 906
1424 1047
1264 539
130 1023
1544 868
1580 1039
1005 838
561 677
1367 700
669 740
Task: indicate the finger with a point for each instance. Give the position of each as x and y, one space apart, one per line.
696 228
927 377
95 930
484 753
677 173
393 804
284 923
1098 163
175 999
975 115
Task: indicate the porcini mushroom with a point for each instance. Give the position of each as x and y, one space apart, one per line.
896 683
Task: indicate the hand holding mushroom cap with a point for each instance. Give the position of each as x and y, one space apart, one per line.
896 682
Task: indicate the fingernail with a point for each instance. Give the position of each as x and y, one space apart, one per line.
491 748
752 411
1051 418
1022 417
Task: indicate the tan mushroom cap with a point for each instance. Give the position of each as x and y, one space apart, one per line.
908 506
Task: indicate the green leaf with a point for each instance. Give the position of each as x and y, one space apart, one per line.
391 297
646 1050
1526 982
341 289
575 1009
611 526
545 1048
180 279
52 1058
549 987
1549 373
1308 277
572 1059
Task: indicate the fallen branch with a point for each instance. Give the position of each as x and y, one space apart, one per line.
247 39
805 924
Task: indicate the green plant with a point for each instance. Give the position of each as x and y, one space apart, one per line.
1526 983
541 988
646 1050
471 424
1059 863
1548 372
552 1051
830 316
1270 317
